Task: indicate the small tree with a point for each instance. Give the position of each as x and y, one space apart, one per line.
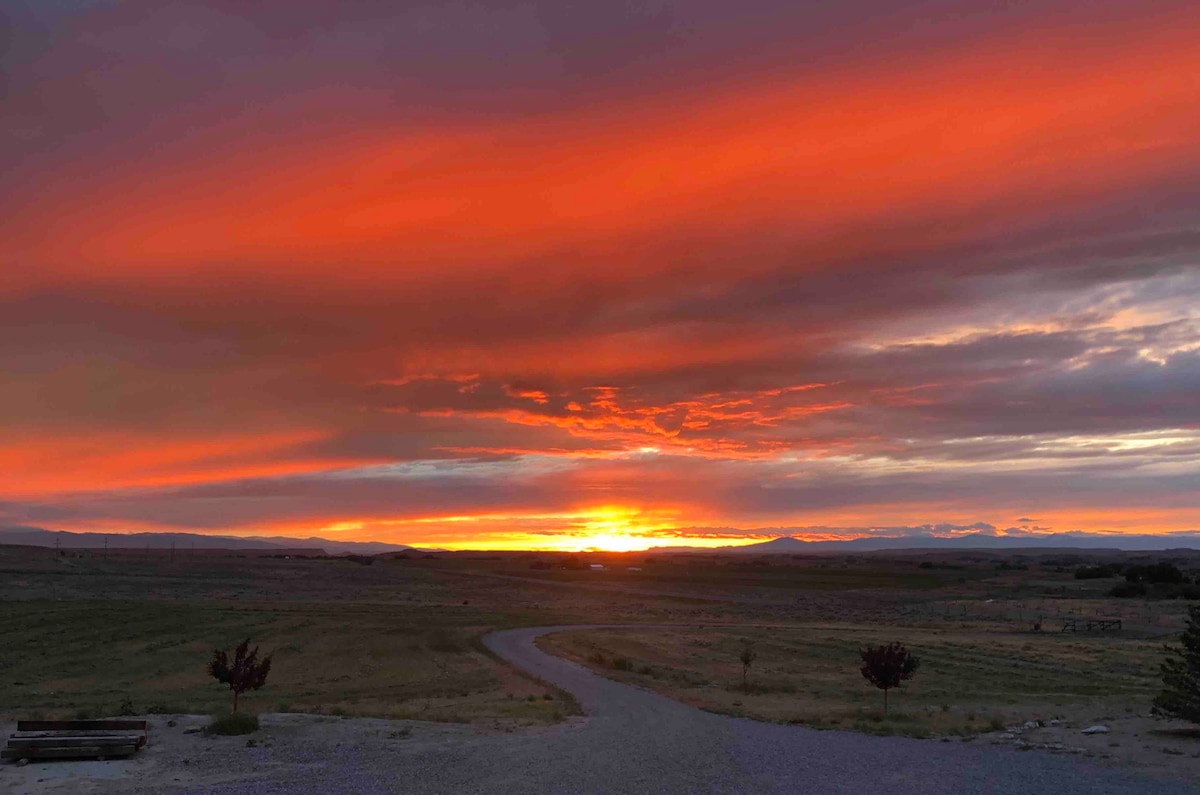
1180 696
748 656
246 672
887 666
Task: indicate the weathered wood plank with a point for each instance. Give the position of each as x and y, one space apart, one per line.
78 752
81 725
83 733
68 742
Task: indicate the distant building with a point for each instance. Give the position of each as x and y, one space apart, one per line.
634 568
597 567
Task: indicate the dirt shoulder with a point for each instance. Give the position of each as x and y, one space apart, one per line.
1164 749
179 755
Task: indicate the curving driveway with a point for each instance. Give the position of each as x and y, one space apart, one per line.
638 741
635 741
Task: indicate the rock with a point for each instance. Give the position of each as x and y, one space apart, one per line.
1031 724
1056 722
1008 736
1098 729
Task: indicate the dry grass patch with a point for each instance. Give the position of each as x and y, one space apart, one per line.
86 658
972 680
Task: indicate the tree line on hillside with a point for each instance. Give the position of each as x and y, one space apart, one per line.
1153 580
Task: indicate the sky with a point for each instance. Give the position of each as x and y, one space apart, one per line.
600 274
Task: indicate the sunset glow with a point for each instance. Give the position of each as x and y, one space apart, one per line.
510 276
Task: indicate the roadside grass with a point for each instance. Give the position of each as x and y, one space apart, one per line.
228 724
971 680
92 659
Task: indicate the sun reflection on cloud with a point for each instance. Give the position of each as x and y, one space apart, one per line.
608 528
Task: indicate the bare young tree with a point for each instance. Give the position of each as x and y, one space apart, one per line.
245 672
748 656
887 666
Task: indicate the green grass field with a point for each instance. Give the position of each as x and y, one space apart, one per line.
970 680
82 659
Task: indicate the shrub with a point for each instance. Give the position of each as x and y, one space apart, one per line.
887 666
622 664
232 723
1180 696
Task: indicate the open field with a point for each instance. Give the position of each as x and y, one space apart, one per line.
972 679
399 636
87 659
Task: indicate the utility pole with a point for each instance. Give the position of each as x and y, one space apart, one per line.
106 549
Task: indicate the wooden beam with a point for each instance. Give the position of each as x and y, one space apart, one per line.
69 742
77 752
81 725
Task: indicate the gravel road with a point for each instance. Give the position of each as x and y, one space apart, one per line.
636 741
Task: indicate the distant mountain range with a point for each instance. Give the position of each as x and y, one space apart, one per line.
1132 543
40 537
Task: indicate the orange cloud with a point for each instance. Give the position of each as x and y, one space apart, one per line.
44 466
677 302
1045 117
